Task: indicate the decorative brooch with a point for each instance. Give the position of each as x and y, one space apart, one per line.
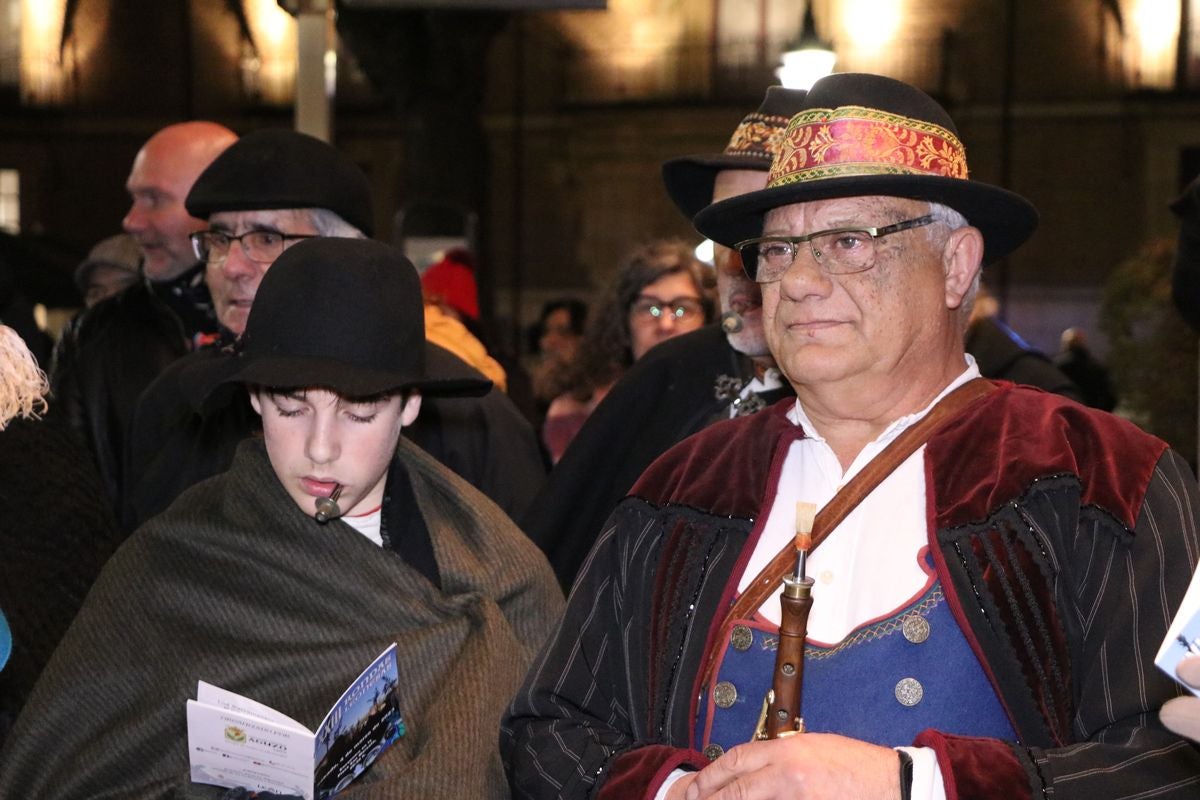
738 394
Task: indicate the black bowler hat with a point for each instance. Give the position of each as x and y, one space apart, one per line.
277 169
862 135
689 179
342 314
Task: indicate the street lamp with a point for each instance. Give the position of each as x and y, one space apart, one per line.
807 58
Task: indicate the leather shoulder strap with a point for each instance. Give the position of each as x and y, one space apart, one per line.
853 493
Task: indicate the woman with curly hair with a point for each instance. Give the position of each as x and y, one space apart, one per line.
661 291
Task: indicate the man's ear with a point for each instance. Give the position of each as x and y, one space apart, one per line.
254 401
412 407
962 258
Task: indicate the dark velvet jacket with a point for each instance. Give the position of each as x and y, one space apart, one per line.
1064 537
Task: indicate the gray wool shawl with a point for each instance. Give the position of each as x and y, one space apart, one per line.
237 586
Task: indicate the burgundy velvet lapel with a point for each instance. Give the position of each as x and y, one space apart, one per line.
977 466
721 470
1032 434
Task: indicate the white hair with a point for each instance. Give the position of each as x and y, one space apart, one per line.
23 384
330 224
955 220
942 213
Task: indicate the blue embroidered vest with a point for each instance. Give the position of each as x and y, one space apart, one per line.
885 683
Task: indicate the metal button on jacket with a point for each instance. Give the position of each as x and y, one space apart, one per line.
724 694
741 637
713 752
915 628
909 691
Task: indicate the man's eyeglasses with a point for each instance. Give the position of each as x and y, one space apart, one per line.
681 309
840 251
262 247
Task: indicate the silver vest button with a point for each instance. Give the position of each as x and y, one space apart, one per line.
713 752
724 694
909 692
741 637
915 628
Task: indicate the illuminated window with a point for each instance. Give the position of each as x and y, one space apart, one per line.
269 61
1154 33
43 70
10 200
751 33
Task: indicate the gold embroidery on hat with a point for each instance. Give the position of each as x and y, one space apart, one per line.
856 141
758 135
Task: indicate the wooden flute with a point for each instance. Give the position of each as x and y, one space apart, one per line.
781 713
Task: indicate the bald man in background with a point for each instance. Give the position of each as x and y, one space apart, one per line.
112 351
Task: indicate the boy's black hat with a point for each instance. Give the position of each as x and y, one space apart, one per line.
343 314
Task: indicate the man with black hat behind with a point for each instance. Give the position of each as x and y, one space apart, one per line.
992 568
270 190
682 385
330 537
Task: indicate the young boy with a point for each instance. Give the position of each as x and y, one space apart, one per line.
241 584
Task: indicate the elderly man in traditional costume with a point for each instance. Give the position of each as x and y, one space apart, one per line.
240 584
991 568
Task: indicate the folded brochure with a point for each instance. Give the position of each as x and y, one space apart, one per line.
234 741
1183 636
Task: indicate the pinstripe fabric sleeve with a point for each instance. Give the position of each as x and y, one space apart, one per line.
1116 597
579 724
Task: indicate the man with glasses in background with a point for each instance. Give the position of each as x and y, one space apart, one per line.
270 190
683 385
991 568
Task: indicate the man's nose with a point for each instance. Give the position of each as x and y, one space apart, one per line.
322 445
805 273
134 220
237 264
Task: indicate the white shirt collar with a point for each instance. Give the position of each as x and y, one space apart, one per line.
797 416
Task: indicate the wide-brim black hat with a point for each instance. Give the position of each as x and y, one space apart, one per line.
341 314
861 135
281 169
689 179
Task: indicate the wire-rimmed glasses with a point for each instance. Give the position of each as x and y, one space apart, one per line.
839 251
262 247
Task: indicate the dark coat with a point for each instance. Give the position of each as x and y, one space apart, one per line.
112 351
1003 356
662 399
56 533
